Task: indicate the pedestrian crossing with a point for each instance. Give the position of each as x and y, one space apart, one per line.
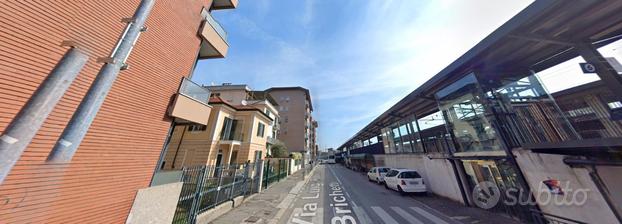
398 215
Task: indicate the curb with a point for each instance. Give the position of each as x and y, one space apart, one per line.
287 202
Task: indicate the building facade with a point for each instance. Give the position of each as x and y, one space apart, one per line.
121 148
234 134
533 109
295 108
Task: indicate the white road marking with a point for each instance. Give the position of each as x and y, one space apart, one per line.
386 218
361 214
429 216
410 218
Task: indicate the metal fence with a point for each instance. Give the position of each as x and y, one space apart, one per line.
205 187
274 171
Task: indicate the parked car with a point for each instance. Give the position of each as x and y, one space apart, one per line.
377 174
405 181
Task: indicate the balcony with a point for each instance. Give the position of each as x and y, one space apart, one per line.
191 103
232 138
272 140
214 44
224 4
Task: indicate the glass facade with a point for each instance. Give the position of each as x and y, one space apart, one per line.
433 133
466 117
405 137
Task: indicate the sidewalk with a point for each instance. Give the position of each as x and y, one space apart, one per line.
263 207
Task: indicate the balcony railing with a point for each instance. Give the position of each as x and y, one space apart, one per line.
191 103
272 140
212 22
214 44
232 137
194 91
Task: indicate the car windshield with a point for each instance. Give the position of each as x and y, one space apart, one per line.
383 170
410 175
392 173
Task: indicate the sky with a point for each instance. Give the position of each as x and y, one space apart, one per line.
357 57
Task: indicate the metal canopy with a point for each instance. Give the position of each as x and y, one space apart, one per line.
539 37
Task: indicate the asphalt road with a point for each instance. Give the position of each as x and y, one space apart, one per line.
335 194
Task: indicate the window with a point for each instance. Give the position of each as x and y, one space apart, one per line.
268 112
214 94
260 129
286 120
197 128
228 129
392 173
383 170
409 175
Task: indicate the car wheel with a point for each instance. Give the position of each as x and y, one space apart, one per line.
378 181
386 185
401 191
368 179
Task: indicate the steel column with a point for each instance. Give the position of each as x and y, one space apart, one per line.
82 119
19 133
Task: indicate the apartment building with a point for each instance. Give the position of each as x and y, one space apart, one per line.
295 108
533 109
96 181
240 128
313 136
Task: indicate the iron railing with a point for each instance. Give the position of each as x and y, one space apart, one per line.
205 187
274 171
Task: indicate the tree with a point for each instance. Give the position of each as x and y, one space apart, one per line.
278 150
296 155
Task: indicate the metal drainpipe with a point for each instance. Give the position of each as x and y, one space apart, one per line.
19 133
82 119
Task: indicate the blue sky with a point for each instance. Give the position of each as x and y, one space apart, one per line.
357 57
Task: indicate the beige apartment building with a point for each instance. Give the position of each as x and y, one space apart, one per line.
295 109
240 129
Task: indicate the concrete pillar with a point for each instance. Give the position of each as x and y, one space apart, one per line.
227 156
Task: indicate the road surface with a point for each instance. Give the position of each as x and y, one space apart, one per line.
335 194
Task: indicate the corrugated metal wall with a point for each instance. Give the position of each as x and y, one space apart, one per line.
120 151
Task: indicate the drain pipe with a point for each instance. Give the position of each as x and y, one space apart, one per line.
82 119
19 133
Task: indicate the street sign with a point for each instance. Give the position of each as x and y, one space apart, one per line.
588 68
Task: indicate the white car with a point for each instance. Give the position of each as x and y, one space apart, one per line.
405 181
377 174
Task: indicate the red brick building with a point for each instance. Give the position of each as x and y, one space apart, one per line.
121 149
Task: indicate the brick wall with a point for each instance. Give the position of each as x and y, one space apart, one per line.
120 151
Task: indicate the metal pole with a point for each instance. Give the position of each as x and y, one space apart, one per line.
235 172
82 119
19 133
